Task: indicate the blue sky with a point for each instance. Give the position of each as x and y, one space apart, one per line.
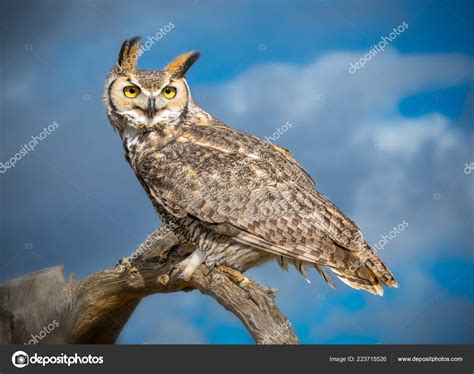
388 143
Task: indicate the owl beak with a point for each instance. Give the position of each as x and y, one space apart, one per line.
151 107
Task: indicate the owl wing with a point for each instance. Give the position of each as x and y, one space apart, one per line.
222 134
251 199
256 201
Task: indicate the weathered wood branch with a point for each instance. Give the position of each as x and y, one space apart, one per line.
43 308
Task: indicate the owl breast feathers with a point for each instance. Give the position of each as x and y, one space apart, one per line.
240 200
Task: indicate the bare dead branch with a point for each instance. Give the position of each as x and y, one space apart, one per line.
96 309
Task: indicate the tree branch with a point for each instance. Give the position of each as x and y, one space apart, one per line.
96 309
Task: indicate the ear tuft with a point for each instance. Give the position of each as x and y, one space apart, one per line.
129 54
181 64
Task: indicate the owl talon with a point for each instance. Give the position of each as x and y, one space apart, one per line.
186 268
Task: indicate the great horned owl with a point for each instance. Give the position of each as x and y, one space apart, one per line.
238 199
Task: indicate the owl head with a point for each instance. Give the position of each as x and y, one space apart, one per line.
144 98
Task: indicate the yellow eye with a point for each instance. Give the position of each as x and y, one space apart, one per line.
131 91
169 92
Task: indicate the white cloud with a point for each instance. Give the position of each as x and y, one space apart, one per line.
405 137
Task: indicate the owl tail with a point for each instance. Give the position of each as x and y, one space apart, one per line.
362 270
367 272
371 285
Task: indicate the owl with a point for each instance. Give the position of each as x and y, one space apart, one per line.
239 200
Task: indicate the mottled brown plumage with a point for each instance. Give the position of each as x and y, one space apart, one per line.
240 200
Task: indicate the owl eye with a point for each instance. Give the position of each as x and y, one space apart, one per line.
131 91
169 92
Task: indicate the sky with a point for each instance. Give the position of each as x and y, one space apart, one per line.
389 142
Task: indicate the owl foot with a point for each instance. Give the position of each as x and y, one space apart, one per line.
188 266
